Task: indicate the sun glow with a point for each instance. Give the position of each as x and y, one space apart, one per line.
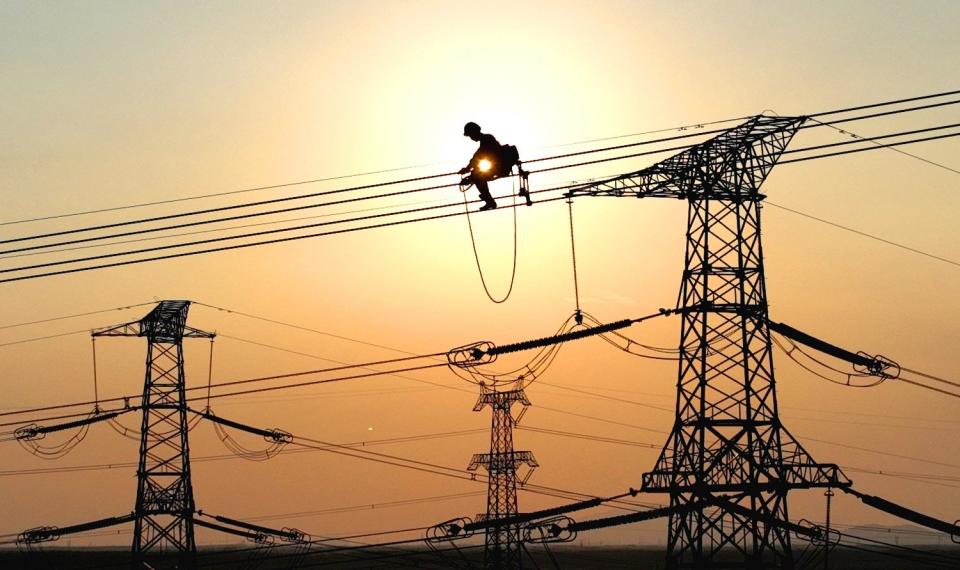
484 165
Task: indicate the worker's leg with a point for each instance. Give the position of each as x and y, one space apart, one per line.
489 202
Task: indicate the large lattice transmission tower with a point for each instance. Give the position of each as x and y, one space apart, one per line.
727 445
503 541
163 515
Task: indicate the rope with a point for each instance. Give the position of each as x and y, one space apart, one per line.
573 255
476 256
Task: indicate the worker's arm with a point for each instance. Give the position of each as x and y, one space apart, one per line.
470 165
489 147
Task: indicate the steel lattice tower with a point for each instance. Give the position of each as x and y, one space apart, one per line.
503 542
727 446
163 516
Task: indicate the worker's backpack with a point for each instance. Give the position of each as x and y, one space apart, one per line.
509 156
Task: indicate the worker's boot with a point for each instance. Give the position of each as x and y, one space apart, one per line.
488 205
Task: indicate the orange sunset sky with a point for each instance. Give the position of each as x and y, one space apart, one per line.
108 104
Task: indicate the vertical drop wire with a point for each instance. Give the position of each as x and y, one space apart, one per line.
96 390
210 374
573 255
826 543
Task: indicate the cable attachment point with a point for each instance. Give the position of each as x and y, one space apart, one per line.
818 535
39 534
279 436
294 535
29 433
524 183
452 529
878 365
473 354
556 529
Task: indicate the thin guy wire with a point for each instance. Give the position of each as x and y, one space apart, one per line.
864 234
903 152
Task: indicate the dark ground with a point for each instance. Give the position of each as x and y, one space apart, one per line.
566 556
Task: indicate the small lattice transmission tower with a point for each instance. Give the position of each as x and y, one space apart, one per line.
163 516
503 541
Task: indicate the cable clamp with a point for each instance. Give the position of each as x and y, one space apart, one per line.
29 432
452 529
473 354
879 365
556 529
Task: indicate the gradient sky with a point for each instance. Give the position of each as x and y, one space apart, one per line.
112 103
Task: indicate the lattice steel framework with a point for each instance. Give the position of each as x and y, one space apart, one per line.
163 516
727 440
503 541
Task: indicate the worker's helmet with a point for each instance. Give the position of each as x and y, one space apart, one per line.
471 128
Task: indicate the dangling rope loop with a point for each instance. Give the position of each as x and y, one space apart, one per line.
476 256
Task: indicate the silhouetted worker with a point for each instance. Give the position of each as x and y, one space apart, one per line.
486 164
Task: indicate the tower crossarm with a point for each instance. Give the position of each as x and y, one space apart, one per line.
711 169
502 461
167 322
